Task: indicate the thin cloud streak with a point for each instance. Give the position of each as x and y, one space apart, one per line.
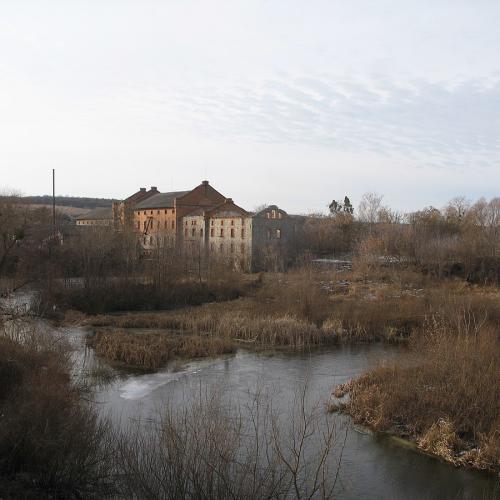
439 124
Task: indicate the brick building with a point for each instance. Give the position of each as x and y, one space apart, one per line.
204 225
158 219
123 211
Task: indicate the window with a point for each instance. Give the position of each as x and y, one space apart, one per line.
157 212
232 233
221 222
193 232
201 233
186 223
144 212
222 233
145 240
151 212
243 248
212 232
144 225
211 222
173 224
221 248
279 215
232 247
242 232
274 214
278 233
185 232
165 212
232 222
268 215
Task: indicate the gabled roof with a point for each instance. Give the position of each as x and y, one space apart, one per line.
141 195
160 200
100 213
269 208
226 209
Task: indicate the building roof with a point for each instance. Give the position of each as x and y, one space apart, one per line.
269 208
141 195
100 213
226 209
160 200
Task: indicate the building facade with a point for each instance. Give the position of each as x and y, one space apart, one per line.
96 217
204 226
123 211
158 219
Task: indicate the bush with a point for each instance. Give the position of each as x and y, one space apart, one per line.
52 443
445 392
130 295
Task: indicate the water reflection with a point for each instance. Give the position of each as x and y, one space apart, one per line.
373 466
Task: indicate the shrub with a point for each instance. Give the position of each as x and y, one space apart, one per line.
52 443
445 392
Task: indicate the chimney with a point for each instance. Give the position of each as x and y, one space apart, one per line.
154 188
143 190
228 200
205 183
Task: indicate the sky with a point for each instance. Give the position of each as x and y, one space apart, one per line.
273 101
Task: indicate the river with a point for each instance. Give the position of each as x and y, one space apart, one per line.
373 466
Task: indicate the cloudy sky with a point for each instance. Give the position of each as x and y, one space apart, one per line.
287 101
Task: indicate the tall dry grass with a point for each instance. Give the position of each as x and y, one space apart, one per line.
153 350
445 392
293 310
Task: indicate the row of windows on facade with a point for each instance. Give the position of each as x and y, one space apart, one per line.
231 248
150 240
212 222
146 222
93 223
272 214
157 212
277 233
212 232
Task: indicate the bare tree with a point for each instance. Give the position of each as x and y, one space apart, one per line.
213 450
369 207
13 224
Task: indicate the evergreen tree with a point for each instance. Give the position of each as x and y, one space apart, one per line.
348 208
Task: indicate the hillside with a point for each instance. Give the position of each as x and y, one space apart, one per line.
70 201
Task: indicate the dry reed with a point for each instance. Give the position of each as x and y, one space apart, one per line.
445 393
152 350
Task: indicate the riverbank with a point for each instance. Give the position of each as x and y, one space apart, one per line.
298 310
443 394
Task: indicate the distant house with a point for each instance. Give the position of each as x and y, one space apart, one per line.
102 216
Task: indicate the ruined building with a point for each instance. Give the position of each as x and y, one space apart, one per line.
205 225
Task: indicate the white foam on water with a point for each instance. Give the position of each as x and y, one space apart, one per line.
139 386
142 385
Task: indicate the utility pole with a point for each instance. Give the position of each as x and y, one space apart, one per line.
53 204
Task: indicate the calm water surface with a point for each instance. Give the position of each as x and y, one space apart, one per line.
372 467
